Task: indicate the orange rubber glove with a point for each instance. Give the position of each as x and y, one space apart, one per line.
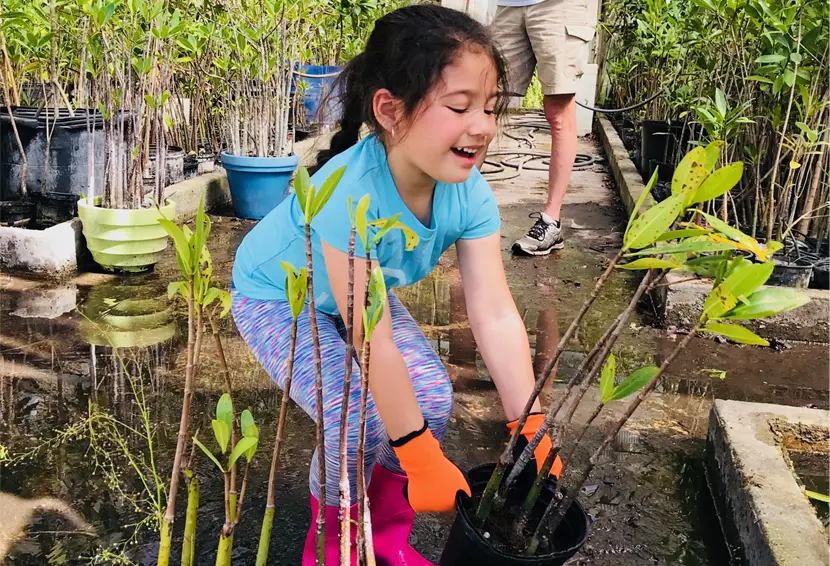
433 481
533 423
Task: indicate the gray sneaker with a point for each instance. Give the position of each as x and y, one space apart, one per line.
542 238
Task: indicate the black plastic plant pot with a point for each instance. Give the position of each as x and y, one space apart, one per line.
791 274
657 142
467 546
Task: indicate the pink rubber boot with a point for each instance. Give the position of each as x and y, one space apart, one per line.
392 519
332 535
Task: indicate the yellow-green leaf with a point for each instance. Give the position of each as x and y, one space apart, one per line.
650 263
246 419
767 302
246 445
645 230
377 300
224 410
634 382
640 201
182 244
817 496
222 434
685 233
361 223
686 248
690 172
327 189
735 333
302 182
607 379
712 154
209 454
385 224
719 182
177 287
743 281
295 287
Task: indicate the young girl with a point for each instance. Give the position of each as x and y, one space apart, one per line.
429 85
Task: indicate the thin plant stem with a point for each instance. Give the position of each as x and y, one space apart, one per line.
318 383
362 547
265 533
345 488
607 344
492 489
562 508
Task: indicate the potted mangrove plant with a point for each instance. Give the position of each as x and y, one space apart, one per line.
127 49
517 516
255 78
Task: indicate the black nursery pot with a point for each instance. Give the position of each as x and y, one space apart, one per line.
467 547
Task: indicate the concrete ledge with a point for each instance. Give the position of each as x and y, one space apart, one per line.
759 500
186 194
629 183
49 253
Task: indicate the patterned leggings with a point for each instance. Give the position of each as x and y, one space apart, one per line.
266 328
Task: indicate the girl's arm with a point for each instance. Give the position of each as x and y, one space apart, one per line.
389 380
498 328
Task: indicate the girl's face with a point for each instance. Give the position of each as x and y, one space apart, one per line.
456 122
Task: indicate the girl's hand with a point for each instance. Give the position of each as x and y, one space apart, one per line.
534 421
434 481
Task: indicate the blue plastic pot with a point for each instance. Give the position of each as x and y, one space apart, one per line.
258 184
316 93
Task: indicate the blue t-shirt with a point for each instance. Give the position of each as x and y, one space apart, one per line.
461 211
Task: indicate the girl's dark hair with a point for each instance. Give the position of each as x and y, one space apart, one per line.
406 54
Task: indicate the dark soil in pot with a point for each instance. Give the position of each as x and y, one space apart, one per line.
467 545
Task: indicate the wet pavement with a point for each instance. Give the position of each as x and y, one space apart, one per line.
648 499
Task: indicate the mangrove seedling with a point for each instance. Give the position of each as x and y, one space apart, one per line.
295 290
196 269
311 203
650 243
246 446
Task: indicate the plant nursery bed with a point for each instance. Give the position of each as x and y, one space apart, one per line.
768 519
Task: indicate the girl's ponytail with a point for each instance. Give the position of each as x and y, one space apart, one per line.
352 84
406 53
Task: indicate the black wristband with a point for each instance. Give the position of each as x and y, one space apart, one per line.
411 436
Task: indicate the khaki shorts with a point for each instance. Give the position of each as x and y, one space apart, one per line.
554 34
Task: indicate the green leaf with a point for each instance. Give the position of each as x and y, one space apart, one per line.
202 231
690 172
634 382
719 182
685 233
640 201
327 190
151 102
361 222
720 102
650 263
686 248
767 302
182 246
177 287
308 211
302 182
224 410
735 333
817 496
759 79
246 419
377 300
607 379
211 295
351 210
209 454
770 59
244 446
222 434
645 230
743 281
705 266
385 224
728 231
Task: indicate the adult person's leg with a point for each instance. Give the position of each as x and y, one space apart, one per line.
560 32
